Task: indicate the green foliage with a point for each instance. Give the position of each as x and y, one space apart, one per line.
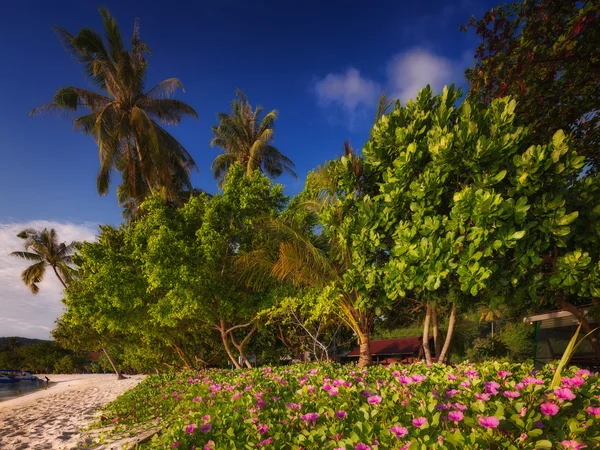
487 348
126 121
161 288
270 407
545 54
40 357
43 248
248 140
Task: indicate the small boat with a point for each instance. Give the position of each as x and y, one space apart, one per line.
16 376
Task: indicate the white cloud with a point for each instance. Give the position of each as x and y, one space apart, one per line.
21 312
407 73
349 90
410 72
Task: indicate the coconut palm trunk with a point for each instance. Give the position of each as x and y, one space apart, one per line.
114 366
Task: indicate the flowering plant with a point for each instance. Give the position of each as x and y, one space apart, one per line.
397 407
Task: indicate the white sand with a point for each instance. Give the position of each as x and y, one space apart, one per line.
53 418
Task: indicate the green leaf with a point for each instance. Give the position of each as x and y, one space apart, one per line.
543 444
567 218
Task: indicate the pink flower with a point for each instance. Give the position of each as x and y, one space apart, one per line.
190 428
564 394
511 394
333 391
341 414
471 373
549 409
361 446
406 446
210 445
594 411
262 428
455 416
265 442
573 445
583 373
452 377
206 427
489 422
451 393
310 417
374 400
419 422
418 378
261 403
197 399
399 431
503 374
491 387
529 380
175 444
482 397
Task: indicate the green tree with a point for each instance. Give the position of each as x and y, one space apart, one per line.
248 140
340 260
469 212
44 250
123 118
187 255
545 54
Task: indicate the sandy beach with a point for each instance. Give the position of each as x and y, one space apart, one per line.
53 418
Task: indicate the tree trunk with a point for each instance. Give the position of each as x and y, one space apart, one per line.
112 363
59 277
426 349
184 357
225 340
365 352
241 345
437 342
584 323
451 323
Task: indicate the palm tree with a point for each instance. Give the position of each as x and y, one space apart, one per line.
247 140
124 119
43 248
297 255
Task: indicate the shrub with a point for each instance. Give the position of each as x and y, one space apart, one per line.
489 405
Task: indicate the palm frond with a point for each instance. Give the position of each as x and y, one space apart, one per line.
165 88
33 275
29 256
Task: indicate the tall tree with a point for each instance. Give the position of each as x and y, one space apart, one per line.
470 212
545 54
44 250
248 140
329 250
124 119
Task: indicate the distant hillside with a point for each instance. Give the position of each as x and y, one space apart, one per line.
21 340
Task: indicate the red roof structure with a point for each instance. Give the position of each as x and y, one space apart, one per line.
407 346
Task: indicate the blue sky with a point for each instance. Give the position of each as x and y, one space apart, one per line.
321 64
277 52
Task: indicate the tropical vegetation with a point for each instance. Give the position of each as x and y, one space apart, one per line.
491 405
459 216
126 121
247 139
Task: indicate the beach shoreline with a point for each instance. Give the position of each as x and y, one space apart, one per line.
53 418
